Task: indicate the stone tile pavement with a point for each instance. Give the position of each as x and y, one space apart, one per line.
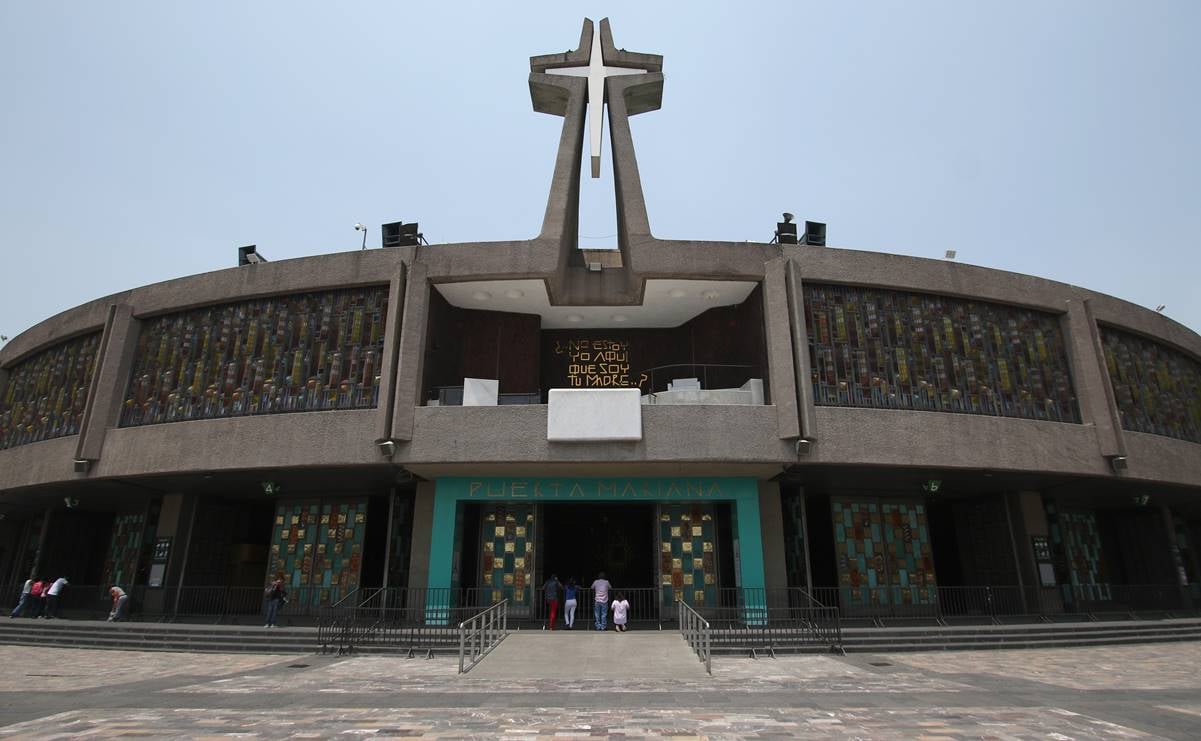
1149 691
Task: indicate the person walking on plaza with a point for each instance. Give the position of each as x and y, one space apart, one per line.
23 601
550 592
52 595
569 603
37 597
276 596
120 602
600 604
621 612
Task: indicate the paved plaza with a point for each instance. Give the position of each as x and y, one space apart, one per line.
564 686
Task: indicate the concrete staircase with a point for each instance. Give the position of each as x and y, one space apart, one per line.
1033 635
157 636
234 638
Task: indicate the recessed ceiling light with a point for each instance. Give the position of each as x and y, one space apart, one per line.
514 293
677 293
619 317
574 318
711 295
481 295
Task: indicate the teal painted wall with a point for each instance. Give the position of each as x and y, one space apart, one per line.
742 491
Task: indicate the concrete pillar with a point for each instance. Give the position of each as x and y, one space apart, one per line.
175 522
1180 573
781 370
771 520
800 351
419 545
410 381
1090 378
109 382
387 376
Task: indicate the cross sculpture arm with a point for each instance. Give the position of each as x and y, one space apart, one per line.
596 71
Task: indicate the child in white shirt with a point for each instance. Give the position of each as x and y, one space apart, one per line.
621 613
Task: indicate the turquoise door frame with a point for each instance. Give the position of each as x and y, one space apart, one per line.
742 491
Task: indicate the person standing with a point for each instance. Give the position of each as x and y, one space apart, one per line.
276 596
569 603
621 613
550 593
24 599
600 604
120 602
52 595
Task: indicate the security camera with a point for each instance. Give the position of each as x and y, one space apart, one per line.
360 228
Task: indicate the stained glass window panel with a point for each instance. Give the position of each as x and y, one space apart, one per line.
1157 388
46 394
871 347
297 353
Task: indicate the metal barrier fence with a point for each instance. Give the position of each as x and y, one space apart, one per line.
998 603
697 633
482 632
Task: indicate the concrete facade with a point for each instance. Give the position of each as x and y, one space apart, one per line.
788 438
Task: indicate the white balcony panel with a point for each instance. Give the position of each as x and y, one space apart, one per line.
594 415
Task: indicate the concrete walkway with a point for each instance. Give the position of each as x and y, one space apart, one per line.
589 655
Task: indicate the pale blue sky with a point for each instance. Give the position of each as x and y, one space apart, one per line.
141 141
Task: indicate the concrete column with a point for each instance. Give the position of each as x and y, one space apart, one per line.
1180 573
781 370
771 519
410 379
109 381
419 544
1090 378
174 521
800 351
387 376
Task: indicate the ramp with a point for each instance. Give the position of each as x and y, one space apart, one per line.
564 654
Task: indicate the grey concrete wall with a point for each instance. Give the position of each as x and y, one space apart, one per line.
109 381
782 390
423 527
771 523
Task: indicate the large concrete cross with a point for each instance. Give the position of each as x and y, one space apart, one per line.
596 72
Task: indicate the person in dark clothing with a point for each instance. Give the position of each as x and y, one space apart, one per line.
550 592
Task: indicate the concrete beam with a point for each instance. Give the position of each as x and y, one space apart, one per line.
109 381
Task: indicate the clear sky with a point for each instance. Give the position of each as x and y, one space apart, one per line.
141 141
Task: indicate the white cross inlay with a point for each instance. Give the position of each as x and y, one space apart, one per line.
596 72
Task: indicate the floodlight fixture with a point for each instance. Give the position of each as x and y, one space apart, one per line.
1117 463
788 218
1159 309
249 255
360 228
950 254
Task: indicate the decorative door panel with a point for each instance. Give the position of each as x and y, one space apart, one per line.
507 551
908 553
687 554
883 553
794 539
121 564
319 544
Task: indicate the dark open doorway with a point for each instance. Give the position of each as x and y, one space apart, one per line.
581 539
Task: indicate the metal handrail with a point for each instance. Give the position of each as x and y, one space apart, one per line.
486 629
697 633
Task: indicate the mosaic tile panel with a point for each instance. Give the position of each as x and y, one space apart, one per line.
908 553
1157 388
319 544
507 531
1077 542
124 549
872 347
687 554
883 553
297 353
794 539
46 394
